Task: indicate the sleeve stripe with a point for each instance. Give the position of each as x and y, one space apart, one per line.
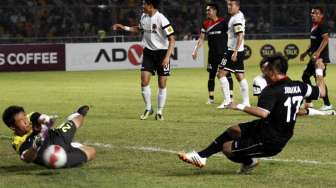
309 91
164 27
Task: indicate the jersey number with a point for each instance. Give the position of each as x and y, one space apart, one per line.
295 102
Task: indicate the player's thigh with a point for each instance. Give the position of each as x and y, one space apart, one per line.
160 69
148 62
66 131
76 157
238 66
310 69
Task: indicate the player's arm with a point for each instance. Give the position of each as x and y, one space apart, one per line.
133 29
304 54
198 45
239 31
319 65
254 111
171 40
29 155
322 46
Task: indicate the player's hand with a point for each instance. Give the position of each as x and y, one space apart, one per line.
117 26
194 55
319 64
234 56
165 62
316 55
302 56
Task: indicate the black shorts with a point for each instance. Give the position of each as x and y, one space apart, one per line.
152 62
310 69
214 60
235 67
251 145
63 136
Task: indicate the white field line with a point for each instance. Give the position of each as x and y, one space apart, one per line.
160 150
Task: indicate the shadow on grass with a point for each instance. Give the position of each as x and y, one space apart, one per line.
201 173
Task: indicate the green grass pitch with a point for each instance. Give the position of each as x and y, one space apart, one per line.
135 153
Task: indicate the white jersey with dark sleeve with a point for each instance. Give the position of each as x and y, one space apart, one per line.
156 30
236 26
259 83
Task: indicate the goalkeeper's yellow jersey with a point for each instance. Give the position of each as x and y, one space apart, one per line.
21 143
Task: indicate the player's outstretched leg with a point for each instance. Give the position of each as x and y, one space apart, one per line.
193 158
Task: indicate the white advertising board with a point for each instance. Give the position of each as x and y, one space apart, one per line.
107 56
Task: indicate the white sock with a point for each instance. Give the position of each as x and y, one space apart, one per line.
225 87
162 96
314 112
244 92
146 94
72 116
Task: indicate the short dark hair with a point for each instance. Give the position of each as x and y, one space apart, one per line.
213 6
321 9
155 3
237 2
9 113
276 62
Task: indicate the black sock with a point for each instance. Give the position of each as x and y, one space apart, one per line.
211 97
216 146
326 98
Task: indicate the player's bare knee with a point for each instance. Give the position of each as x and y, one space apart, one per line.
234 131
227 149
90 152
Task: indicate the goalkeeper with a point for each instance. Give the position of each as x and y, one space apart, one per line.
33 134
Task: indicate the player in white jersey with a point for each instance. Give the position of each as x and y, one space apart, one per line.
259 83
159 41
234 60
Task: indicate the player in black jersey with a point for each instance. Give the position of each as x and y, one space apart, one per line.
33 134
277 108
215 28
318 49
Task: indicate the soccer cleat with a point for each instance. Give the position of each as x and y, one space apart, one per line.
247 169
210 101
83 110
159 117
325 107
223 105
330 113
193 158
146 114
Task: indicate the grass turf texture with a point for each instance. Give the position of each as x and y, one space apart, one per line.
190 124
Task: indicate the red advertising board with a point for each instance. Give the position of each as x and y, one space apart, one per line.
32 57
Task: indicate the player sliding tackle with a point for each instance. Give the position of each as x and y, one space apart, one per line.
33 135
277 108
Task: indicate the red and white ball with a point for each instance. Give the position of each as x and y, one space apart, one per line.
55 156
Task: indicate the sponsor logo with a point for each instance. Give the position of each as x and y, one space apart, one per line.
247 52
291 51
28 58
134 55
267 50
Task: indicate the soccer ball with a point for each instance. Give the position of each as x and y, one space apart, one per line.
55 156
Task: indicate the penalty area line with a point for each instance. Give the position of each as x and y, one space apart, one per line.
160 150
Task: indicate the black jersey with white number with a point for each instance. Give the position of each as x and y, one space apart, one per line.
283 100
316 38
216 32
